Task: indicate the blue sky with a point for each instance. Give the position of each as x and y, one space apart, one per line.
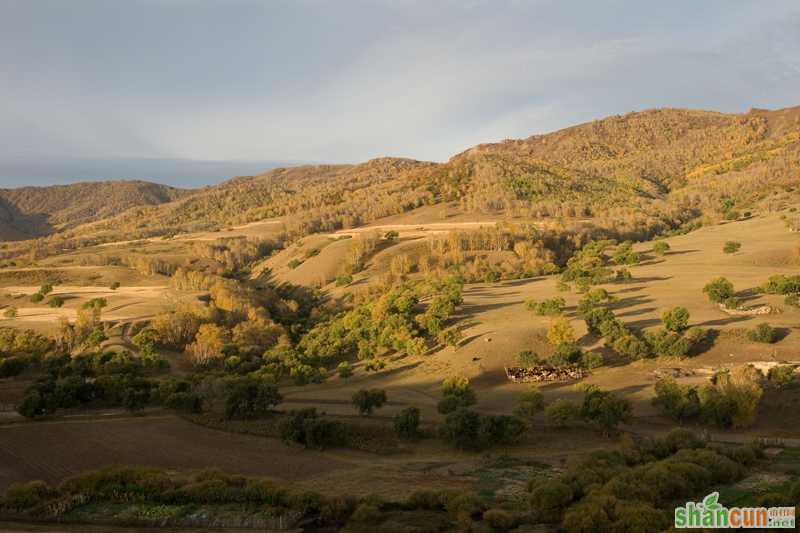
349 80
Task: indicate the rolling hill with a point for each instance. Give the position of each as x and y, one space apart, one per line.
28 212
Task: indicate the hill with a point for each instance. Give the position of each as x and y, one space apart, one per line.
28 212
649 163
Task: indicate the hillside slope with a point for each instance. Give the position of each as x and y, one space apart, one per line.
658 167
35 211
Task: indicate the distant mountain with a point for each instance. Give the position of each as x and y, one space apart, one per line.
639 172
184 173
28 212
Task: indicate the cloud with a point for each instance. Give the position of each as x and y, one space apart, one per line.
351 80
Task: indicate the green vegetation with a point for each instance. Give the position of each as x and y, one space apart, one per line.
676 319
549 307
406 423
366 401
660 248
731 247
719 291
731 401
763 333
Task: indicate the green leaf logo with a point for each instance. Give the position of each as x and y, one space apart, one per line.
710 501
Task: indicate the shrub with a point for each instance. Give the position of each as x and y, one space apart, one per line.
676 402
530 403
664 343
731 247
391 235
793 300
251 398
10 312
660 248
406 423
561 413
719 290
549 307
528 359
366 401
592 360
499 429
184 401
23 496
450 337
560 332
697 335
780 284
782 377
294 263
56 302
741 387
605 409
499 519
630 346
676 319
551 498
622 275
343 279
731 303
114 286
312 430
366 513
461 429
763 333
12 366
344 369
37 297
457 395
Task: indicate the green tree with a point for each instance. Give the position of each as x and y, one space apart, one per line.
562 412
560 332
719 290
731 247
406 423
676 319
530 404
605 409
660 248
250 398
366 401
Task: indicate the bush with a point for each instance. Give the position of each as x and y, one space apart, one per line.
763 333
660 248
622 275
37 297
184 401
406 423
366 513
666 344
731 247
461 429
793 300
605 410
294 263
343 279
10 312
630 346
780 284
549 307
551 498
676 319
251 398
56 302
457 395
561 413
560 332
782 377
114 286
23 496
499 519
366 401
530 404
12 366
718 290
344 369
676 402
592 360
312 430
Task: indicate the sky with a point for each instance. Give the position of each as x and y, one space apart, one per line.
349 80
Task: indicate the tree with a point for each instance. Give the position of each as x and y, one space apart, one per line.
345 370
251 398
461 429
530 404
676 402
561 412
740 387
763 333
560 332
208 344
56 302
146 341
782 377
660 248
719 290
450 337
406 423
457 395
731 247
676 319
37 297
605 409
366 401
45 289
